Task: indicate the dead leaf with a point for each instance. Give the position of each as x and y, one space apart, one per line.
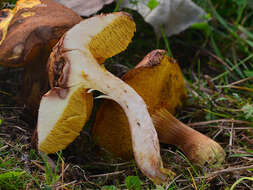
174 15
85 7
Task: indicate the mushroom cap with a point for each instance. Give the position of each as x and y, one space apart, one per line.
66 107
30 26
159 81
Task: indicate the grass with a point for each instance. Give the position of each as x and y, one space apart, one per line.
217 61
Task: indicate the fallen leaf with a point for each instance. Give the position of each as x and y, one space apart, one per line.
85 7
174 15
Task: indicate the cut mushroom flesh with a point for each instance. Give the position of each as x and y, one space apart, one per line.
81 49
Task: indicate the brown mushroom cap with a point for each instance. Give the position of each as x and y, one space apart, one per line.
27 35
31 25
158 80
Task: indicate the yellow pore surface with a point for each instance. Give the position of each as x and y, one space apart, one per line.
161 86
113 39
71 122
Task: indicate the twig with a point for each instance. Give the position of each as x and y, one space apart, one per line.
227 170
216 58
218 121
3 148
174 180
186 187
241 81
85 177
17 127
108 164
237 87
108 174
214 137
209 175
4 134
231 138
64 185
227 128
4 107
11 145
167 150
236 82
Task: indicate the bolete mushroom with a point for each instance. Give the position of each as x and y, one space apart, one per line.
27 35
74 67
158 80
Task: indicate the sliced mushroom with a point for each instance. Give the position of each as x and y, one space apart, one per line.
158 80
27 35
62 115
79 53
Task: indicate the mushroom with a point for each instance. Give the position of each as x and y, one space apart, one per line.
159 81
74 70
27 35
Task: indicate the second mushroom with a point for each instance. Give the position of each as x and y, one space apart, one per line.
159 81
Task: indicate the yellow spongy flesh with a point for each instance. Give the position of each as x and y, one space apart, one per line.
71 122
113 39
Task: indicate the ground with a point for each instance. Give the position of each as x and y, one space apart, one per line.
217 62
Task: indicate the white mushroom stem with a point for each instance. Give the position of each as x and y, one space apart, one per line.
144 137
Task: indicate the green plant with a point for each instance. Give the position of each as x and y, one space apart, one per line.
51 174
133 182
248 110
109 187
240 180
152 4
13 180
